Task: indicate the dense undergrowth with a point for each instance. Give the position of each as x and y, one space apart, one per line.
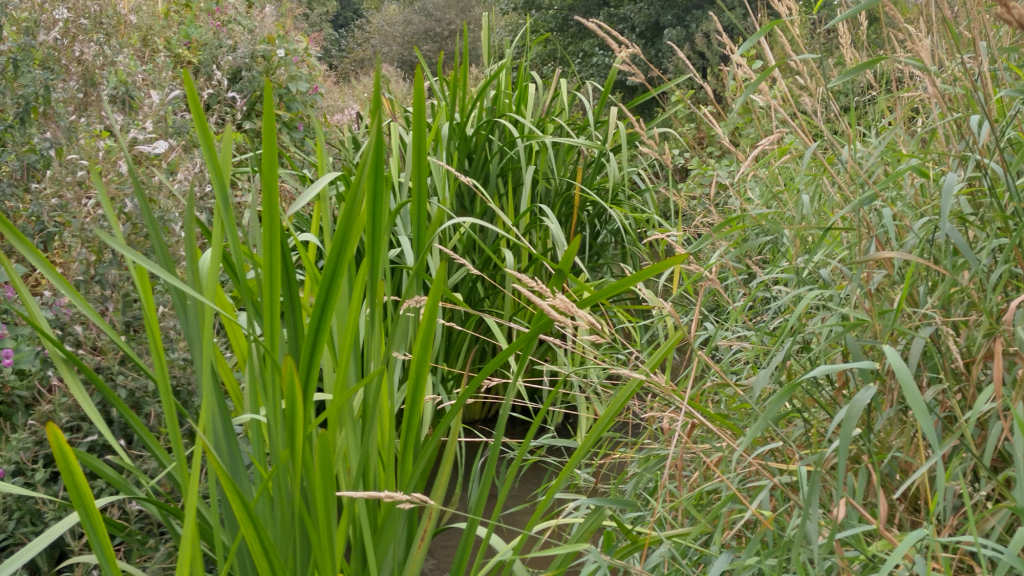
60 65
775 328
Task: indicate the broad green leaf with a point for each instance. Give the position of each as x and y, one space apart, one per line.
309 194
856 70
93 560
833 369
861 7
83 501
913 397
899 552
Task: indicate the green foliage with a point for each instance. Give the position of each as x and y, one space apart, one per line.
394 32
58 66
332 383
332 22
651 24
27 74
843 407
775 327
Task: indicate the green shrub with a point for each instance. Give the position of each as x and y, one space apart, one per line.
59 66
650 24
394 31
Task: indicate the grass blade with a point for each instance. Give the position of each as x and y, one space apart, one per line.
83 501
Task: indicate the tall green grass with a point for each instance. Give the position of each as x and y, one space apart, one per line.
848 399
798 355
339 340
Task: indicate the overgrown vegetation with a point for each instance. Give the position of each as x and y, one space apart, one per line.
394 32
773 328
652 25
59 65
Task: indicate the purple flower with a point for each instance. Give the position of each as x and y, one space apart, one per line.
3 331
9 291
6 357
314 89
2 473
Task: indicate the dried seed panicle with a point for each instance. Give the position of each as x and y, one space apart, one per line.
1011 12
404 501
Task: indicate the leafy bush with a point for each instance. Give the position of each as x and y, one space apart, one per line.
650 24
68 74
395 30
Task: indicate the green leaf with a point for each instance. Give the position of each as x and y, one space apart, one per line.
856 70
418 153
898 553
749 42
866 5
833 369
851 414
83 501
310 193
913 397
93 560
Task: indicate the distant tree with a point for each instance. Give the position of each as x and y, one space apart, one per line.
347 13
334 21
394 31
648 23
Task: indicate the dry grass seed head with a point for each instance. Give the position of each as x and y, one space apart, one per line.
1010 12
404 501
545 307
624 49
532 283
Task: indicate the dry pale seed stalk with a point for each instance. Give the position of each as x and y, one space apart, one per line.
628 374
556 306
461 328
625 51
567 307
404 501
532 283
1011 12
768 142
697 77
545 307
650 145
846 48
415 302
460 260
